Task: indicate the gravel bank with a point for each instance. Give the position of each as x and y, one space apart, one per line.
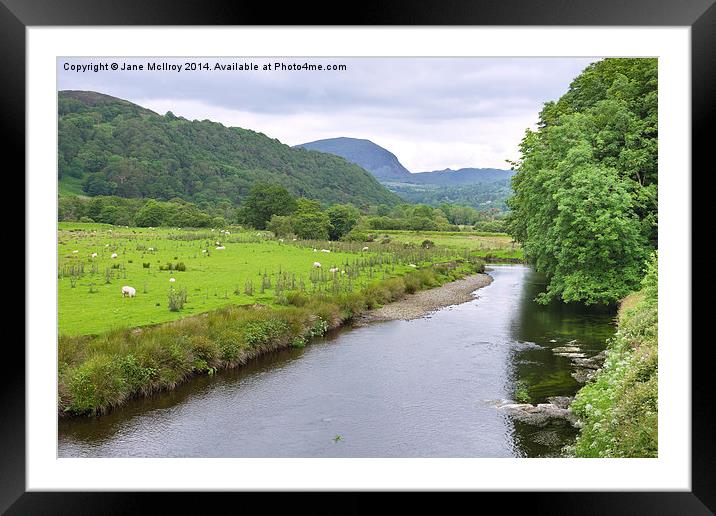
423 302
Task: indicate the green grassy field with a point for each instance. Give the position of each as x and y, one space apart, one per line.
89 288
494 245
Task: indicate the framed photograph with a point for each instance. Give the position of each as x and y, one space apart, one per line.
425 249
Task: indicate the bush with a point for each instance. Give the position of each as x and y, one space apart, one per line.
96 385
177 299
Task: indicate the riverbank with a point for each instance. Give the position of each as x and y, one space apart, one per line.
422 303
618 410
99 373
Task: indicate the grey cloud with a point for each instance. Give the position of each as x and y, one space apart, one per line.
385 96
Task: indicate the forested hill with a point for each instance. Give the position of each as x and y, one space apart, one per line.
109 146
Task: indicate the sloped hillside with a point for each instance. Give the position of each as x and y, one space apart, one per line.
109 146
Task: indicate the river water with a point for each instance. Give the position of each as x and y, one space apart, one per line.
422 388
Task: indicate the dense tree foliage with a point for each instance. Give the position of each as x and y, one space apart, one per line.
310 221
141 212
264 201
343 218
117 148
585 203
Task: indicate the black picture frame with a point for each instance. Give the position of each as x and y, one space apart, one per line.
17 15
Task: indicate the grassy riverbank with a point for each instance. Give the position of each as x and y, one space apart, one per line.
100 372
619 409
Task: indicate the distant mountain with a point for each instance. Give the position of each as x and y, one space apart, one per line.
463 176
384 165
481 188
109 146
380 162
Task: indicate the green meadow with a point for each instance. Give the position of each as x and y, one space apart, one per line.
253 268
498 246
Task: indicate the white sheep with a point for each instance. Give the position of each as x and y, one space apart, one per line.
333 270
317 265
412 265
203 250
114 255
150 249
172 280
325 250
220 248
365 248
315 250
75 251
93 255
128 291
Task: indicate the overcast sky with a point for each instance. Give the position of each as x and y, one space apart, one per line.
432 113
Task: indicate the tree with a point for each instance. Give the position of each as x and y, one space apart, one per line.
584 205
151 214
265 200
280 225
343 218
310 222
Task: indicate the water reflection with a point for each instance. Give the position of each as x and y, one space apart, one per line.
537 373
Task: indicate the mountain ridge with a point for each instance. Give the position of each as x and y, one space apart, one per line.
385 165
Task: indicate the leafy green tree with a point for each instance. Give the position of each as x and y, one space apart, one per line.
310 222
343 218
584 205
151 215
281 225
264 201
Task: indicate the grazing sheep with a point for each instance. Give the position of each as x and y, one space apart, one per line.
150 249
172 280
315 250
114 255
203 250
325 250
365 248
412 265
333 270
75 251
220 248
93 255
317 265
227 232
128 291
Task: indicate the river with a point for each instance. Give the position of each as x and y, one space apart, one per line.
421 388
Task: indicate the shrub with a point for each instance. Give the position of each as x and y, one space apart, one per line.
97 385
177 299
